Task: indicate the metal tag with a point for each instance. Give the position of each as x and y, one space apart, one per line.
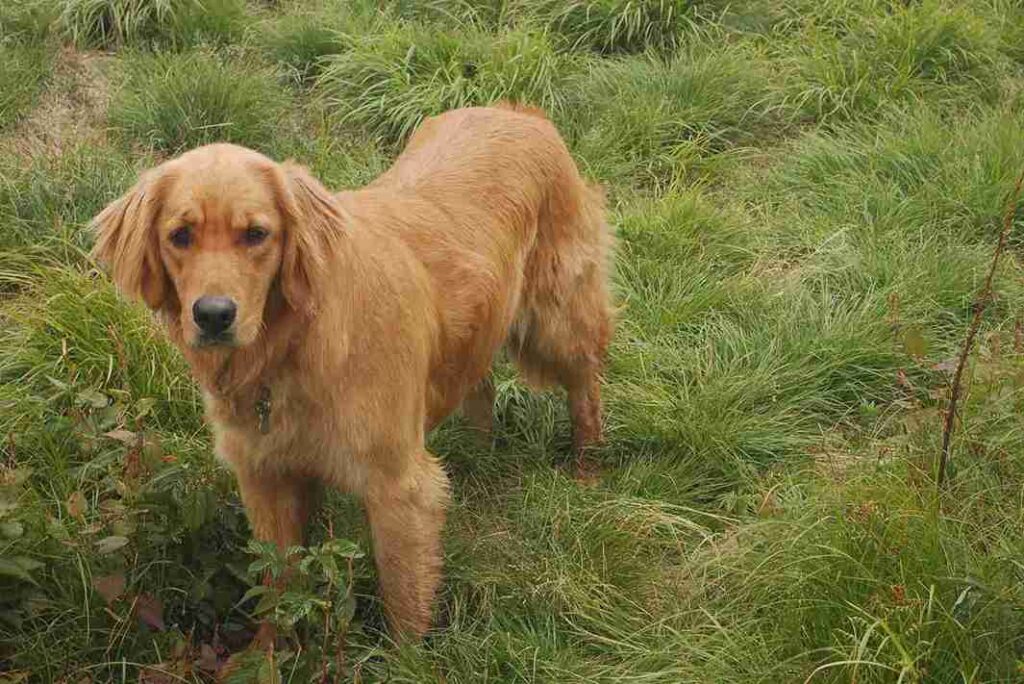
263 410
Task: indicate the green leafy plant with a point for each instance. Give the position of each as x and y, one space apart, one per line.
307 591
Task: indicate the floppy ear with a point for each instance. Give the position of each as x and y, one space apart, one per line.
314 222
127 242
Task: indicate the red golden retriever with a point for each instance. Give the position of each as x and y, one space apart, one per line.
331 332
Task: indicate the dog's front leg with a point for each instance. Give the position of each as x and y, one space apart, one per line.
276 504
406 510
278 507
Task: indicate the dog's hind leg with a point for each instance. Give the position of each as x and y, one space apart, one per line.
581 378
564 326
567 346
406 511
478 407
585 411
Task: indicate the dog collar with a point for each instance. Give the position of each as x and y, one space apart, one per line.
263 407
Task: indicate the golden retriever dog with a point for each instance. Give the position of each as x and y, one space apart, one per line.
331 332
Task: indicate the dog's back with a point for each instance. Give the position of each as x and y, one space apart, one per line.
491 202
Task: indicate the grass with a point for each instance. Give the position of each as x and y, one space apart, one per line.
47 202
864 61
22 74
651 119
806 196
172 102
306 34
604 27
389 81
166 23
612 26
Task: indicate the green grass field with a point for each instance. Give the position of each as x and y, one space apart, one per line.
806 193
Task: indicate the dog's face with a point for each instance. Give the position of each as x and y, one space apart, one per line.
213 235
220 237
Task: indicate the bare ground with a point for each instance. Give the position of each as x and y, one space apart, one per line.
70 112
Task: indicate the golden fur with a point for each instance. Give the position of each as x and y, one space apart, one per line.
367 317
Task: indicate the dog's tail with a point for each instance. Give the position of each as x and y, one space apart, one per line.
522 108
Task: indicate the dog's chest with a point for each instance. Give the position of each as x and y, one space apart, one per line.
268 422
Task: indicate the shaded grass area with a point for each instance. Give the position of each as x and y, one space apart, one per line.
616 26
806 195
304 34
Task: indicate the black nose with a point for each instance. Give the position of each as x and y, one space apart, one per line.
214 315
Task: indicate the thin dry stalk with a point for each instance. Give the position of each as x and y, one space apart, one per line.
327 619
979 308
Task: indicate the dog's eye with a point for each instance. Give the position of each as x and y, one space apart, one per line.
254 235
181 237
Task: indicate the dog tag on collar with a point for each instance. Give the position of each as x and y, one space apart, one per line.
263 410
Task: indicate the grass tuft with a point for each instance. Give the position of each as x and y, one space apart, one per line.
651 120
111 24
616 26
23 72
860 63
47 203
301 36
178 101
27 21
388 82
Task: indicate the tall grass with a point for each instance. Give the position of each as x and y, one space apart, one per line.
388 82
863 62
489 15
177 101
650 120
909 207
303 34
23 71
115 23
27 21
604 27
613 26
48 202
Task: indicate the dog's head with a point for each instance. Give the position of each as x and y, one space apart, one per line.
215 237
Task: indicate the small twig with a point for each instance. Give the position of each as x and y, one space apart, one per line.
339 657
979 308
324 660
